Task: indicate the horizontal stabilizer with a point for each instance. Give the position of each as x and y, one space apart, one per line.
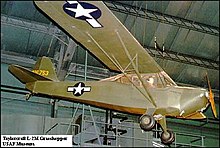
24 75
43 71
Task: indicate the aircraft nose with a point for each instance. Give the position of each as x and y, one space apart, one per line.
205 98
206 94
193 101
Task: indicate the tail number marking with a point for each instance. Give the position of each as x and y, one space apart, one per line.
41 72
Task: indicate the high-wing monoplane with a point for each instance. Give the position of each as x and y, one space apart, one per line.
141 88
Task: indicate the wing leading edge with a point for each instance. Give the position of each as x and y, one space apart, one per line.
94 26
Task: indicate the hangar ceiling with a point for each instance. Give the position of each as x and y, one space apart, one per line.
189 31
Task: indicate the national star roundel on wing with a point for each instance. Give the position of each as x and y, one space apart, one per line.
83 11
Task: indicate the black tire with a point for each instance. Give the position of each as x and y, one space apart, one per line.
147 122
167 138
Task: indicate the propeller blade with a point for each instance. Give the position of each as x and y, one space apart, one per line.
211 98
212 103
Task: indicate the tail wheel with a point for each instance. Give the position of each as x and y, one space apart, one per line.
167 137
147 122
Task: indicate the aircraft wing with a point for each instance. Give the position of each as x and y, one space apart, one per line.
96 28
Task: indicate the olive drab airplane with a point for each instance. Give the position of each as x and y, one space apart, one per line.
141 88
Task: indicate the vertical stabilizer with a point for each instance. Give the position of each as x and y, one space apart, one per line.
44 67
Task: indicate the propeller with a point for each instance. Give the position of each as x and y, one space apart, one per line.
211 97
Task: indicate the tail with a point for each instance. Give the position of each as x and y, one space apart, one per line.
43 71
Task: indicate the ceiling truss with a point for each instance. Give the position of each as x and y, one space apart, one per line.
32 26
162 18
183 58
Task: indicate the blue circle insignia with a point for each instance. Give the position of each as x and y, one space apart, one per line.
82 8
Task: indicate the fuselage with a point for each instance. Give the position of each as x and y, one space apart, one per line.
171 100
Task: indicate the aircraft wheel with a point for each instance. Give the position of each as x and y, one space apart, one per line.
147 122
168 137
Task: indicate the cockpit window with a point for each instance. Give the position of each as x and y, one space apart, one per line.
151 81
156 80
136 81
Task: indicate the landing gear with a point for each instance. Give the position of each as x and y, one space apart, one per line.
167 137
28 96
147 122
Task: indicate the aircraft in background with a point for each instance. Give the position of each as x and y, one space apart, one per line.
141 88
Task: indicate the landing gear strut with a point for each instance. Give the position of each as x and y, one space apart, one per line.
167 136
147 122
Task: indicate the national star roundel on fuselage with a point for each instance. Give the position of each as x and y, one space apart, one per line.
83 11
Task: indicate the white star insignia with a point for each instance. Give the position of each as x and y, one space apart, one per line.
80 11
78 89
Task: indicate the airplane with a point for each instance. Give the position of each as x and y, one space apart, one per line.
142 87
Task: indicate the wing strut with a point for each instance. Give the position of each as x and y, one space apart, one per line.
136 70
123 71
116 63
